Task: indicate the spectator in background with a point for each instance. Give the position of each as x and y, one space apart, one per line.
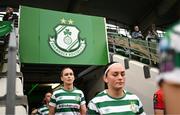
158 100
137 33
152 34
114 99
68 100
44 110
9 16
153 29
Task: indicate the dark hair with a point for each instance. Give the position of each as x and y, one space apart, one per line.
61 74
44 100
160 82
48 92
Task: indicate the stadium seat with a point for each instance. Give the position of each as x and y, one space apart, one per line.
19 87
19 110
4 67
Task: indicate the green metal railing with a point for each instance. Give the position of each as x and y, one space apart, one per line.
140 50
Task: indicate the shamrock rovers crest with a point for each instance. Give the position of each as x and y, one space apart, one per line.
67 41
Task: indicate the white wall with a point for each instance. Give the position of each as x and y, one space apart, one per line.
136 82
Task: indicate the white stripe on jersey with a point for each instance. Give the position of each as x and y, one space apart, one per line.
66 98
109 109
68 113
106 98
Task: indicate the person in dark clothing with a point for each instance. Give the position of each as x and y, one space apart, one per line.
9 16
137 33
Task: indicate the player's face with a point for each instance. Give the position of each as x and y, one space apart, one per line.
67 76
115 77
48 97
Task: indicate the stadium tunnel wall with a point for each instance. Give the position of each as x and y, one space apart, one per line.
91 83
140 80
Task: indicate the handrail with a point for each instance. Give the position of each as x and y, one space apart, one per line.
11 80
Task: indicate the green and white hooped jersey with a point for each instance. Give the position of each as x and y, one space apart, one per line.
103 104
43 110
67 102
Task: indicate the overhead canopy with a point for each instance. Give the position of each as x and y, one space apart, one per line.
130 12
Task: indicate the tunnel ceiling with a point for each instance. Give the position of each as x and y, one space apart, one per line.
130 12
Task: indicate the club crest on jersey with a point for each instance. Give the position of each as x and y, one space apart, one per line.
134 107
77 98
67 41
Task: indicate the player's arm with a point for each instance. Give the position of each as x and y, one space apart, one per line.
51 110
83 109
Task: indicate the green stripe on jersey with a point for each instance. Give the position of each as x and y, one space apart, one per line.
67 110
141 110
69 94
116 103
68 101
92 112
82 99
53 100
43 110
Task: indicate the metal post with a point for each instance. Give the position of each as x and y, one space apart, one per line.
11 80
129 48
149 50
114 47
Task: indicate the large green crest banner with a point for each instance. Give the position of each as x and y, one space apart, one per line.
53 37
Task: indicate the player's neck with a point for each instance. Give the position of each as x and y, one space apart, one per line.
116 93
68 87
